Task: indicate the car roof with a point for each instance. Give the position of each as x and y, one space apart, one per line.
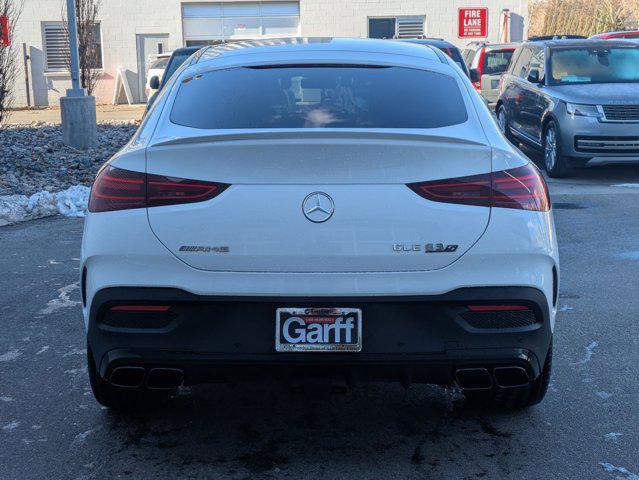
618 32
501 46
302 44
436 42
587 42
186 50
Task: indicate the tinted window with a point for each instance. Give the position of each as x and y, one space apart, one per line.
520 69
496 61
319 97
538 63
175 63
594 65
455 55
159 63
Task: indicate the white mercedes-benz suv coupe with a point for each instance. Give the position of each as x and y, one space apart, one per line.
319 210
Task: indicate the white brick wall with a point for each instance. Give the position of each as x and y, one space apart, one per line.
122 20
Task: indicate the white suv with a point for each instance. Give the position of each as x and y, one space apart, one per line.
343 209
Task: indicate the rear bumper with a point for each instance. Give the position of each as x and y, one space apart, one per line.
417 339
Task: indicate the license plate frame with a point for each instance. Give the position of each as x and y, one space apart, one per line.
320 316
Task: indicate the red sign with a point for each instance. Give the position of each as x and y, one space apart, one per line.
4 31
473 22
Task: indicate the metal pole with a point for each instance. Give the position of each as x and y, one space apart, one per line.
73 50
25 59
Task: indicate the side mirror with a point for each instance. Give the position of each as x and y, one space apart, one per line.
154 83
533 76
474 75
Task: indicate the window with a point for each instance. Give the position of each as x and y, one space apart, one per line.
600 64
537 62
520 69
207 23
496 61
56 47
396 27
319 97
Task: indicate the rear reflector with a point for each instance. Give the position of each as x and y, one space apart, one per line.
119 189
141 308
495 308
520 188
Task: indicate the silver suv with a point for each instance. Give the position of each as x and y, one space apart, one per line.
577 100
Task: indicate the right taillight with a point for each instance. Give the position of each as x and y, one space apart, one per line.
119 189
520 188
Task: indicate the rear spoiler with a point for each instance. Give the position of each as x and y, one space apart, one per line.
313 134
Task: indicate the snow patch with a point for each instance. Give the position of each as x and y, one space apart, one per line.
80 438
627 185
565 308
6 399
10 356
11 426
612 436
72 202
610 468
603 395
63 300
42 350
589 351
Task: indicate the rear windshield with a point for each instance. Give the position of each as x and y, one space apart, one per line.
324 96
594 65
159 63
496 61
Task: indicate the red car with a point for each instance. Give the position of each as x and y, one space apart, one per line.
622 34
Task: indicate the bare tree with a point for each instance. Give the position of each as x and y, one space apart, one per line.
9 10
582 17
89 51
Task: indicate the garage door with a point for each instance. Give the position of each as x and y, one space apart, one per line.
211 22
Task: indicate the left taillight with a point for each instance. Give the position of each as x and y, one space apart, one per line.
119 189
520 188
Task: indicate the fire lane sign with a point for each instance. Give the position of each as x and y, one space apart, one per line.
4 31
473 22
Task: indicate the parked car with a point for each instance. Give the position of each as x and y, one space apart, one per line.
177 58
578 100
448 48
629 34
336 209
541 38
156 70
486 65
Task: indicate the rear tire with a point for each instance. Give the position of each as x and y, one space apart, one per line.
555 163
516 398
502 120
123 400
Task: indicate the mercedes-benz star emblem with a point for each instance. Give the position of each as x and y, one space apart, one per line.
318 207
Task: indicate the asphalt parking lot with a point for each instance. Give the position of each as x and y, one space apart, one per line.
587 427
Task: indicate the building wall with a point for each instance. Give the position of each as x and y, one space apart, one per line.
349 18
122 20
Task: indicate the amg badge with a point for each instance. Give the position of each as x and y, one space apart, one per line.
202 249
427 248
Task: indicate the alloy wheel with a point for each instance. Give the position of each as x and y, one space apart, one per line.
550 148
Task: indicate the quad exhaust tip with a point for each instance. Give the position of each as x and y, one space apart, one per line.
127 377
156 379
481 378
474 378
511 377
164 378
